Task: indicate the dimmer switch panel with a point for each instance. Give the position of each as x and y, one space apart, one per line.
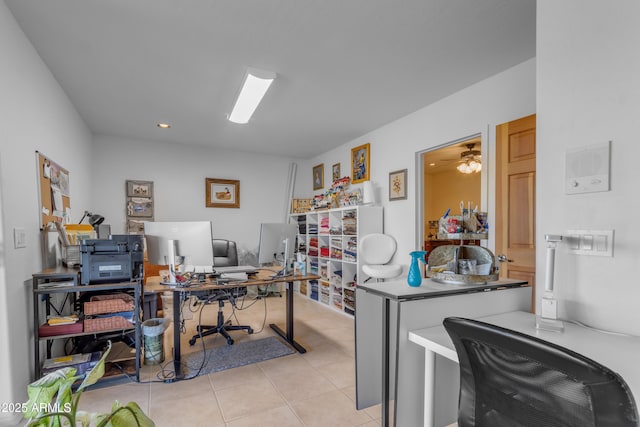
590 242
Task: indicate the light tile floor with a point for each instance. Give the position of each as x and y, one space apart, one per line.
312 389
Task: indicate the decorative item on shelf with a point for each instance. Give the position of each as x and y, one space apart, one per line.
444 265
301 205
368 196
336 196
335 172
414 277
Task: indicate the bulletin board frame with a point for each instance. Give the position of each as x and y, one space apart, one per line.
53 190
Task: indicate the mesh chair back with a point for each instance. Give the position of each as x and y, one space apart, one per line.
511 379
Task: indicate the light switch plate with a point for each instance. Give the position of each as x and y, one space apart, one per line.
590 242
19 238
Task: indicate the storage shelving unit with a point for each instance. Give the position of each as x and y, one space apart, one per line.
66 281
328 239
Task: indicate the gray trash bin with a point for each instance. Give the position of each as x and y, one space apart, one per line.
153 332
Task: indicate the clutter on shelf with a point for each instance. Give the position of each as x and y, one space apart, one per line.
337 196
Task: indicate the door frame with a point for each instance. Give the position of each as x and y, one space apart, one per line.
484 180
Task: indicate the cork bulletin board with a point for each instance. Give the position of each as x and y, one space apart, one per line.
53 189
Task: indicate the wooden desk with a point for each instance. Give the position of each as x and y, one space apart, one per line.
263 278
618 353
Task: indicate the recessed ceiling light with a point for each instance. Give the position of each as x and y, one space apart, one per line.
432 164
163 125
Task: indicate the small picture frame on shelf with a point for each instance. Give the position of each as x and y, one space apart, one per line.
398 185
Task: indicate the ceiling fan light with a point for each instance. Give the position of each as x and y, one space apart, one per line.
255 86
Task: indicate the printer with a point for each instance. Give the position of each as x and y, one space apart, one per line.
119 258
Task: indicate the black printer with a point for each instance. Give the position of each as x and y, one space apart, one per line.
117 259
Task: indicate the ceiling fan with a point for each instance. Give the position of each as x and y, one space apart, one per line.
470 160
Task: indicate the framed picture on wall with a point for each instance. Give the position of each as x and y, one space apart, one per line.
222 193
318 177
360 163
398 185
335 172
139 188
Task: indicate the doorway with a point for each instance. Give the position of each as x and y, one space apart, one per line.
447 184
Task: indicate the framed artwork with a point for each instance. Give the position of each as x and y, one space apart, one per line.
139 188
398 185
135 226
318 177
360 163
335 172
222 193
140 206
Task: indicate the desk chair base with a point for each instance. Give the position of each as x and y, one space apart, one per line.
221 328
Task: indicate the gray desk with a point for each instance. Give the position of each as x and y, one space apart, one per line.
390 369
618 353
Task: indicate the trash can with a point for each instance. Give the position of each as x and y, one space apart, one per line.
153 332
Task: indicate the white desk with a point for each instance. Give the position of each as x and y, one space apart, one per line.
618 353
389 367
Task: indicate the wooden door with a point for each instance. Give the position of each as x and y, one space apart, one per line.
515 200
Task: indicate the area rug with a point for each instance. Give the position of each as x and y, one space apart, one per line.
233 356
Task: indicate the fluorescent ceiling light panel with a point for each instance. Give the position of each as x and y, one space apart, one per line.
255 86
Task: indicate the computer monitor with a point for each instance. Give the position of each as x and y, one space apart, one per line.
277 244
192 240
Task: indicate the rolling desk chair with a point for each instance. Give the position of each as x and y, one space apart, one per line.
225 254
508 379
376 250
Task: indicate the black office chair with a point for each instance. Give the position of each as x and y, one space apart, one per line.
225 254
510 379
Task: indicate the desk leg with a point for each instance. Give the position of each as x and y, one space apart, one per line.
429 388
385 362
288 336
177 368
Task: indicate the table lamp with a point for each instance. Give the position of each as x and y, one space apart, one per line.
548 317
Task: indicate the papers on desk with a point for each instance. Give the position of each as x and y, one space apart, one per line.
233 277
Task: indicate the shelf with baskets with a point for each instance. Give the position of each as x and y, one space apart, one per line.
328 242
114 311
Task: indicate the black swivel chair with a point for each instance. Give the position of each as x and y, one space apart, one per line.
225 254
511 379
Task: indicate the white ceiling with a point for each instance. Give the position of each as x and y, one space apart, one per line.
345 67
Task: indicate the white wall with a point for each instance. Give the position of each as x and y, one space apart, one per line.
588 92
178 174
35 114
477 109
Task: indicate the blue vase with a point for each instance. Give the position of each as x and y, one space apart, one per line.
414 278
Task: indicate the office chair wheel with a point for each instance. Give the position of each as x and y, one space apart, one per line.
192 341
229 340
250 331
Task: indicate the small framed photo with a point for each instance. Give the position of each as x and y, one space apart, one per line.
335 172
222 193
360 163
135 226
139 188
140 206
398 185
318 177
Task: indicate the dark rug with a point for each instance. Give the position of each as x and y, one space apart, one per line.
233 356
